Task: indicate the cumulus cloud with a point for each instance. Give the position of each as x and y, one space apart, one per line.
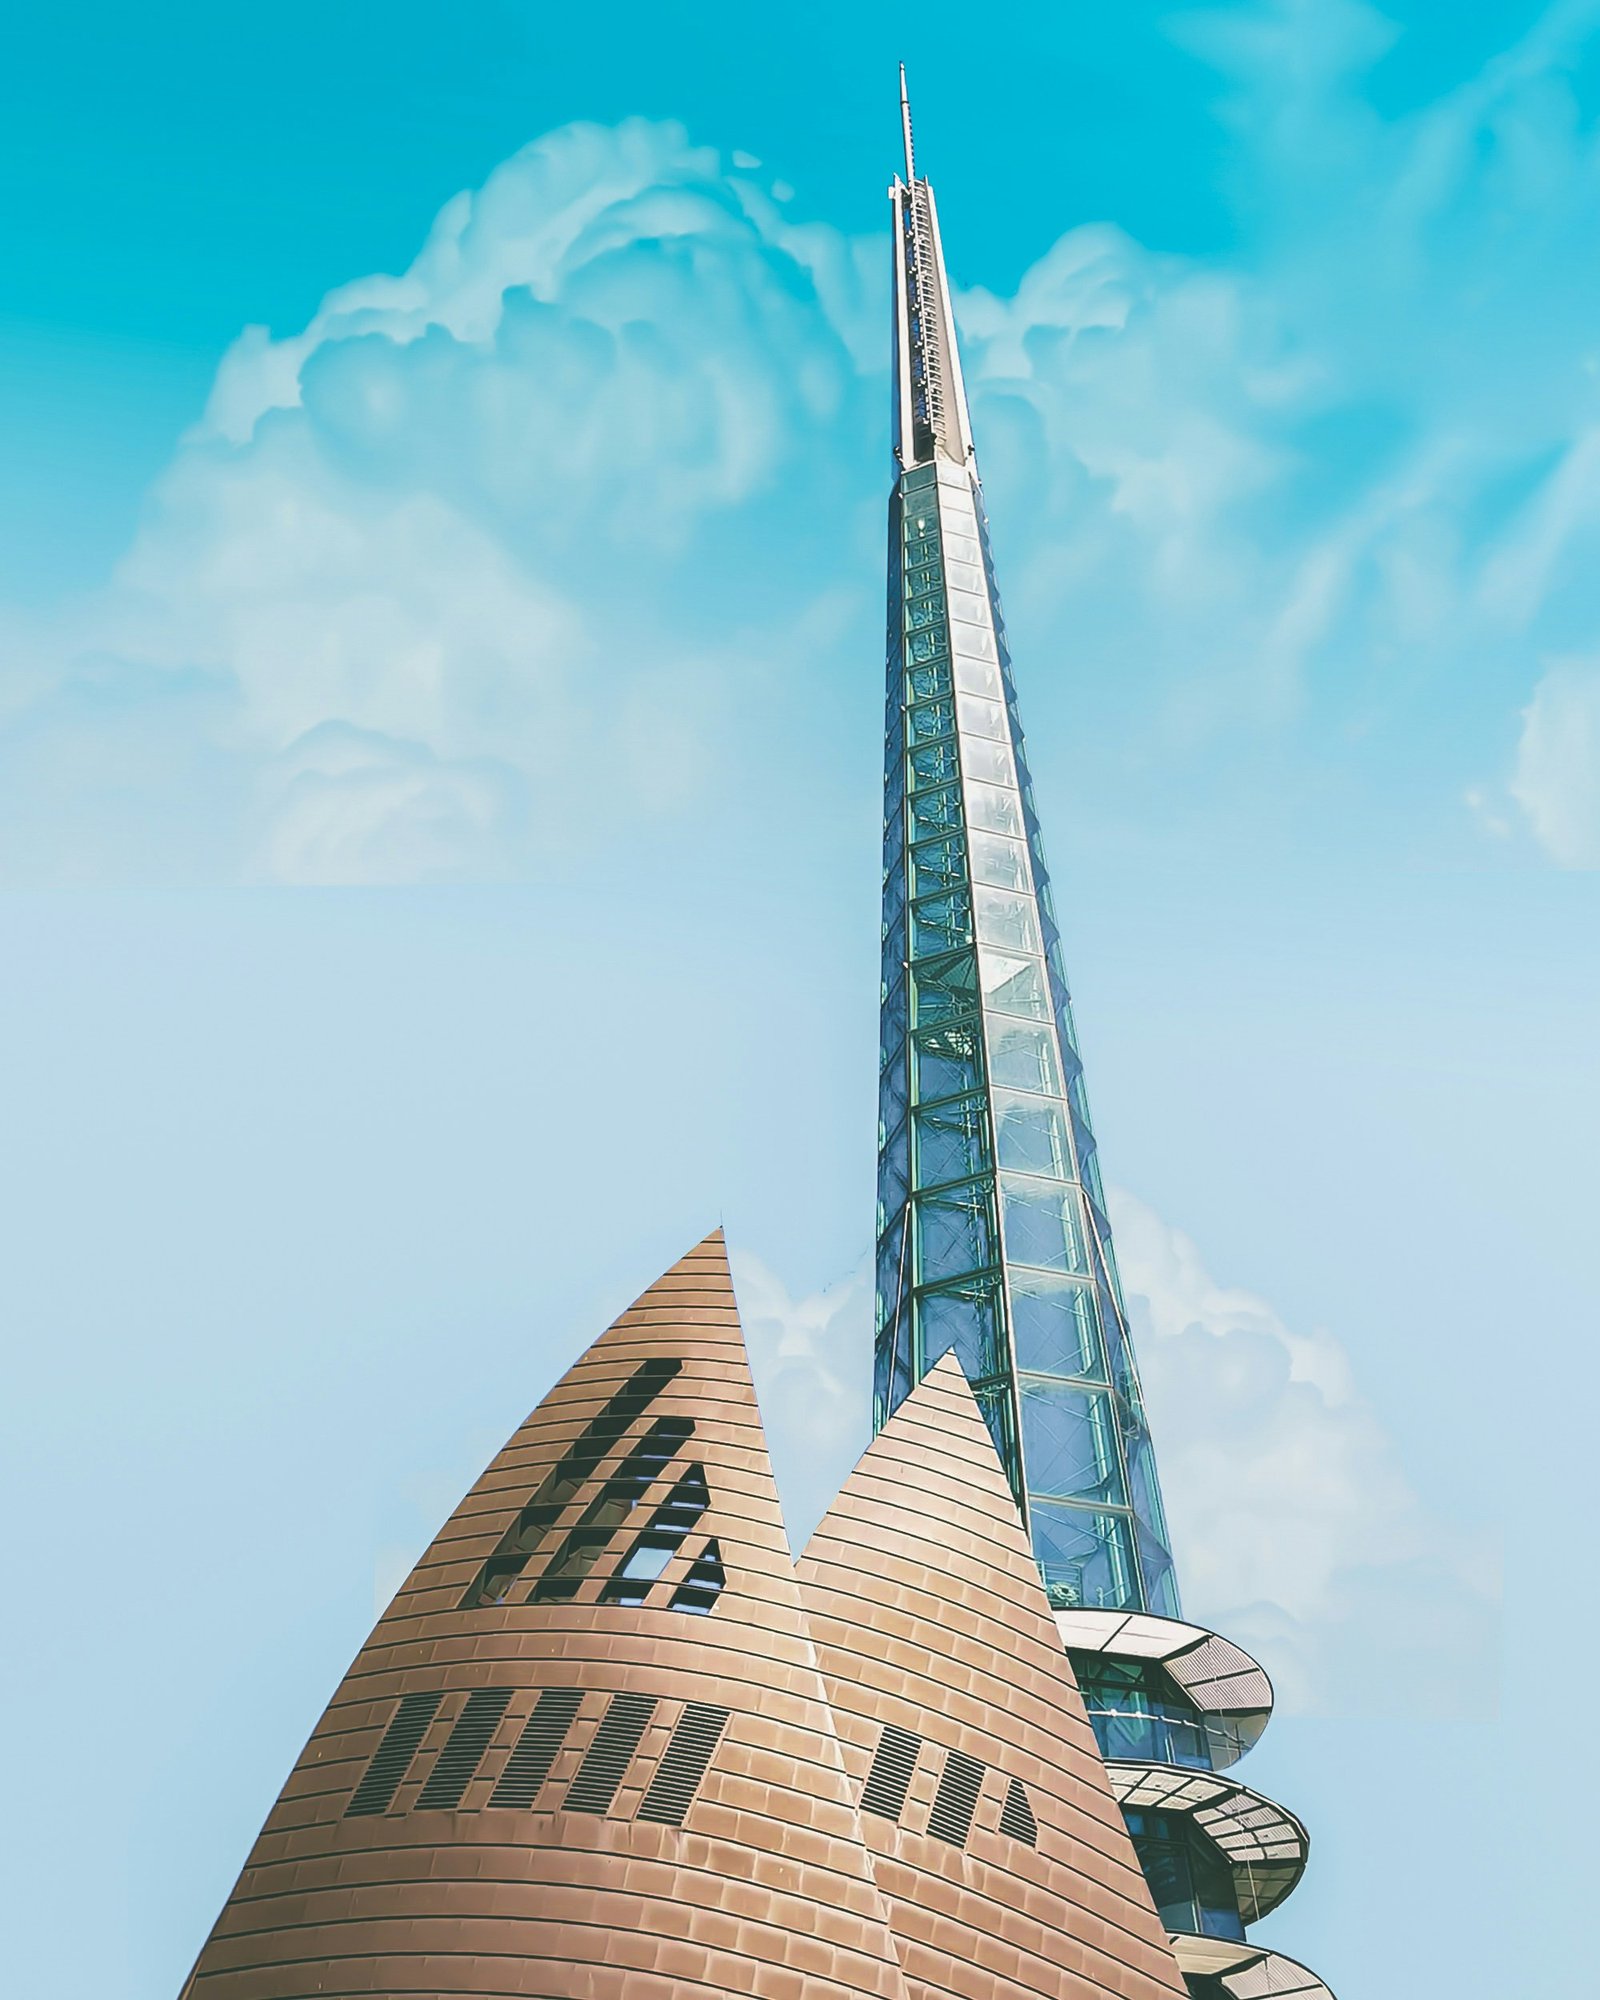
434 556
1296 1528
399 583
1297 1531
1557 777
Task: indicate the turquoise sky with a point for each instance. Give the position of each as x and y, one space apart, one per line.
443 455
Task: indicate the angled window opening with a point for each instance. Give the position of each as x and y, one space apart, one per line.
580 1462
663 1536
605 1762
600 1522
456 1764
537 1748
1016 1815
894 1764
677 1779
957 1798
392 1758
704 1584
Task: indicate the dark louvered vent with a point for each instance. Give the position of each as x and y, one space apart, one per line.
579 1464
1016 1815
663 1536
610 1754
957 1798
892 1767
464 1747
536 1748
701 1588
677 1779
392 1758
605 1515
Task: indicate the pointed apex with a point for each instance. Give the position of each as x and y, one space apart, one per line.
905 128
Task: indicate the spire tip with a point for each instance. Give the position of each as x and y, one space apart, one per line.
905 128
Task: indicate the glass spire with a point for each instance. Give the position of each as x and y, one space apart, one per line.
992 1232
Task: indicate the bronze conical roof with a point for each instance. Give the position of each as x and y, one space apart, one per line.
994 1835
586 1751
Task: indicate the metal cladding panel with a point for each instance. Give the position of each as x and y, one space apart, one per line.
765 1888
929 1616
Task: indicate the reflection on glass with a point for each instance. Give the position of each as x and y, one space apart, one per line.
1044 1225
1056 1325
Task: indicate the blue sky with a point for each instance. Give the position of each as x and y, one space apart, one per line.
443 466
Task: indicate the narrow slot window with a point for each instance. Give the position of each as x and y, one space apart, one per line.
392 1758
894 1763
956 1799
456 1763
606 1761
677 1780
537 1748
1016 1815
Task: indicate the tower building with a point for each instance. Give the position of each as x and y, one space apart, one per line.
993 1241
612 1741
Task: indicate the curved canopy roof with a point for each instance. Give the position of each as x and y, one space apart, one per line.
1265 1845
1219 1677
1247 1972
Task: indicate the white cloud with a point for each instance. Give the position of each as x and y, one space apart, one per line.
414 555
1295 1526
812 1361
1557 777
1296 1529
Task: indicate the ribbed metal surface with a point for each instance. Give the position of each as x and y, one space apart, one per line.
956 1799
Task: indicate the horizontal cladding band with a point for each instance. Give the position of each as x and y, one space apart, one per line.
696 1736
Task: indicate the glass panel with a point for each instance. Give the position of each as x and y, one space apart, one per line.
939 864
935 812
1024 1057
977 676
891 1274
1086 1557
955 1233
986 763
990 807
1044 1225
922 612
1031 1135
1069 1446
1014 986
893 1170
967 1319
932 719
949 1062
960 547
932 677
967 607
923 582
983 718
932 764
892 1093
952 1141
966 576
941 923
974 642
1055 1326
943 987
1007 919
1002 863
925 645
